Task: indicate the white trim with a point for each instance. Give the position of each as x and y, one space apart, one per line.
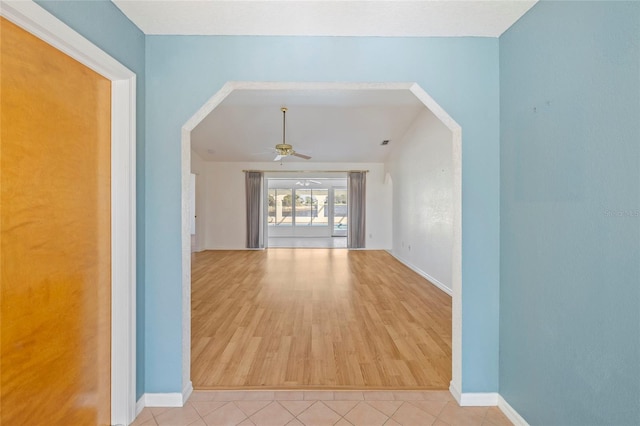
186 392
454 392
140 405
511 413
173 399
423 274
479 399
456 258
34 19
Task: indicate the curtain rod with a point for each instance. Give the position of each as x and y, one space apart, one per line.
306 171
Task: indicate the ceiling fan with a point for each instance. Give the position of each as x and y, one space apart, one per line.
284 149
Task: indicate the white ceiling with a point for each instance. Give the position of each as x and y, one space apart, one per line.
393 18
331 126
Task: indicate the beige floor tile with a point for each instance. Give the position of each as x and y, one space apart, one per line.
228 414
182 416
432 407
365 415
289 395
198 422
149 422
246 422
228 396
251 407
410 415
348 396
295 422
378 396
156 411
343 422
203 396
444 396
463 416
259 396
496 417
318 395
392 422
144 416
205 407
273 414
440 423
296 407
408 396
318 415
341 407
386 407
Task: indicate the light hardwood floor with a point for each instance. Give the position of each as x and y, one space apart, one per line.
316 318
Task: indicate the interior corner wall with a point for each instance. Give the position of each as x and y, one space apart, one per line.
570 213
224 201
421 171
102 23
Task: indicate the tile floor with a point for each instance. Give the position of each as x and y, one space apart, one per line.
319 408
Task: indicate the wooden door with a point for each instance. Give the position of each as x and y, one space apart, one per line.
55 236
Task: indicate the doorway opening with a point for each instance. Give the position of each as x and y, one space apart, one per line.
306 211
455 219
32 18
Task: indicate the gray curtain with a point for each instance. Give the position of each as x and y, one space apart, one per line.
356 214
253 190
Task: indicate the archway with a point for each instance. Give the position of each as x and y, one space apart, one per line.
456 254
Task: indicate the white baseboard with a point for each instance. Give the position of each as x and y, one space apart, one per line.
489 399
187 391
173 399
455 392
423 274
140 405
478 399
511 413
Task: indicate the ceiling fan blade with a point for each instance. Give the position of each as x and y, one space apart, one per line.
279 157
315 182
306 157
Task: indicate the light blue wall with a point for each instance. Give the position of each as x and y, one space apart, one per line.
105 26
570 214
461 74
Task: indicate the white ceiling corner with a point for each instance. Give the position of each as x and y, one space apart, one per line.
390 18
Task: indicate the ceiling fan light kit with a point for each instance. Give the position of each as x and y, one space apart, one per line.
284 149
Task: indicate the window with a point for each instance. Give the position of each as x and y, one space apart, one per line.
280 207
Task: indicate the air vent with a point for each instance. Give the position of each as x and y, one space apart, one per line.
385 142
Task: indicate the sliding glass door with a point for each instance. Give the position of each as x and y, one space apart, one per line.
306 207
339 213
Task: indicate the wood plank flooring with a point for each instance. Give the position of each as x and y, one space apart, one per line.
316 319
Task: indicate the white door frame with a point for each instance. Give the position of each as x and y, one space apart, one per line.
37 21
456 255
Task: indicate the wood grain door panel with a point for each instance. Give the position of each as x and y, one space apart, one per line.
55 236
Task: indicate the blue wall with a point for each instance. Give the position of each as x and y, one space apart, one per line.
462 76
107 27
570 214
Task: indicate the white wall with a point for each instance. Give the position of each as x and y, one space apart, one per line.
422 182
198 167
224 202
